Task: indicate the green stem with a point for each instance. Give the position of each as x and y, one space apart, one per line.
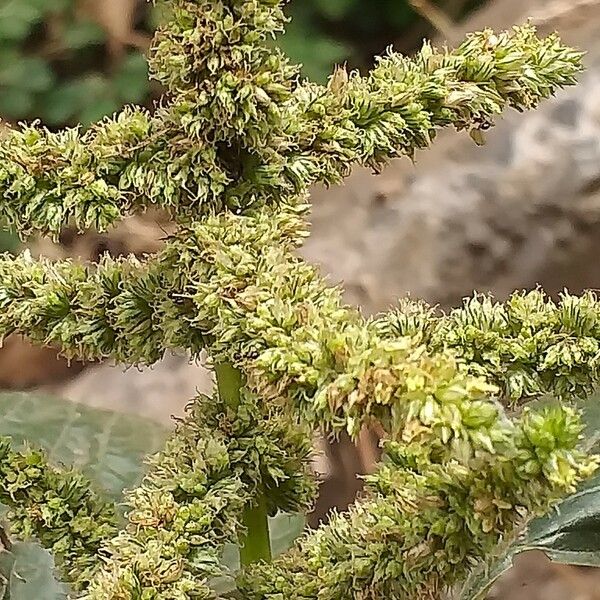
229 383
255 543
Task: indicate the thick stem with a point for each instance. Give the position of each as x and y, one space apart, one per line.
229 384
255 543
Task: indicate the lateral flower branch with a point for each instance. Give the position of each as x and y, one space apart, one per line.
231 153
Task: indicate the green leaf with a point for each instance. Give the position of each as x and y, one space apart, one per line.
81 34
285 530
308 45
131 81
63 103
481 579
590 409
318 58
17 18
15 103
108 447
27 573
84 100
98 109
7 561
93 95
571 533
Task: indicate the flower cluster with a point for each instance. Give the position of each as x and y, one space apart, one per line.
233 285
231 152
191 501
239 130
59 508
528 345
431 510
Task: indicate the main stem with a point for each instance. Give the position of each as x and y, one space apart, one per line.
255 543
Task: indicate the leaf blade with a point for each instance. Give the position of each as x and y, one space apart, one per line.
109 447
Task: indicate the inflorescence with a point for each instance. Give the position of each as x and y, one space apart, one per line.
231 153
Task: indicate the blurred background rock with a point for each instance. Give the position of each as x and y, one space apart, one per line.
521 211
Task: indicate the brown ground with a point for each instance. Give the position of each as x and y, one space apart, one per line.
534 577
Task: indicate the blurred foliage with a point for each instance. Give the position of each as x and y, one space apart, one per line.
27 573
54 65
325 33
8 241
108 447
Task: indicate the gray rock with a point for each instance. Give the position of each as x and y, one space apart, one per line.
156 393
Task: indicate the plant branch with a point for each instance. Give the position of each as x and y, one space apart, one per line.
59 508
255 543
229 384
